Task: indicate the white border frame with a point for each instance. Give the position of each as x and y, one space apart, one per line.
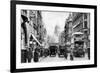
19 65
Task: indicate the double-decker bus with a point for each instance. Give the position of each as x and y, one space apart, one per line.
78 44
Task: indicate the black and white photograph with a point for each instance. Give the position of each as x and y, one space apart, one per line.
48 36
53 36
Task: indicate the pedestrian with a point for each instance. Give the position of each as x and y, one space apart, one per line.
66 52
23 56
88 53
23 52
71 55
29 54
36 56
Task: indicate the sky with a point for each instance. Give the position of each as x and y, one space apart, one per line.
51 19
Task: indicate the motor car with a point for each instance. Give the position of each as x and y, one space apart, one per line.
53 50
61 51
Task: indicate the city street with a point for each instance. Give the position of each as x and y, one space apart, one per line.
57 59
41 30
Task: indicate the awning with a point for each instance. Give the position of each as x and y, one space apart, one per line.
78 33
36 40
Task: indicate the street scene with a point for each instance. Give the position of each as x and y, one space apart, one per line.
53 36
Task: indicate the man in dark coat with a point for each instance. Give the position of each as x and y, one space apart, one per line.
88 53
36 55
29 54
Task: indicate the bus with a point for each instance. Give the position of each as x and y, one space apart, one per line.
78 44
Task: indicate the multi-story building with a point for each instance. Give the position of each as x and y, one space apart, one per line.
81 23
68 29
24 20
77 22
41 31
62 38
34 27
86 29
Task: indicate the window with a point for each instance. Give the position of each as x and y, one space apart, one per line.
85 24
85 16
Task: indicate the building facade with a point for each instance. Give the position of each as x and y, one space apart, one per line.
81 23
68 29
77 22
34 27
62 38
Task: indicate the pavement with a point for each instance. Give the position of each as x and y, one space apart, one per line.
57 59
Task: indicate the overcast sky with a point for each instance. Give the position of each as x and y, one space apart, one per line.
51 19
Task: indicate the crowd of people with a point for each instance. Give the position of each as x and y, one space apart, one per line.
34 53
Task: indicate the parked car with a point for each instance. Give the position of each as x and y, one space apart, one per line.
53 50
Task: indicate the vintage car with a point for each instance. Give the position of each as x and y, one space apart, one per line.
53 50
62 51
